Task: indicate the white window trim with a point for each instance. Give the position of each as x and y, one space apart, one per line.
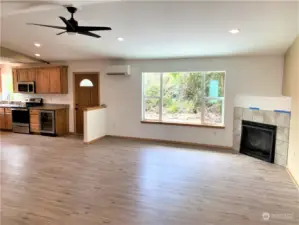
144 97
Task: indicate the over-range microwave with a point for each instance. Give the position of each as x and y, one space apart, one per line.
26 87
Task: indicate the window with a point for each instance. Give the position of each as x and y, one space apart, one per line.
86 83
195 98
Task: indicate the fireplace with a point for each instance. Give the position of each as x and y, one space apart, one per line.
258 140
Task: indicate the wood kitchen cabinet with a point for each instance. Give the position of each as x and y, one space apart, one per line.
58 80
15 80
52 80
8 119
61 118
31 74
55 80
22 75
2 118
48 80
61 121
34 121
5 119
42 83
26 75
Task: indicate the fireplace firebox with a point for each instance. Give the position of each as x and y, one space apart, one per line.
258 140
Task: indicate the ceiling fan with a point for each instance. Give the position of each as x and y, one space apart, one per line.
72 26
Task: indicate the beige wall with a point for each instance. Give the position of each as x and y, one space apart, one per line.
245 76
291 88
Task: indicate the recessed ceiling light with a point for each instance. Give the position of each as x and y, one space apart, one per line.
37 44
234 31
120 39
37 55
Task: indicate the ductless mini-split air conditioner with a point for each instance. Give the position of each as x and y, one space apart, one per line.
122 70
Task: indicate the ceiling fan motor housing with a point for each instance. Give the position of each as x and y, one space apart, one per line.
74 24
71 9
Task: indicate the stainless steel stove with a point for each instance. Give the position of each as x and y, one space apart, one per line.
21 115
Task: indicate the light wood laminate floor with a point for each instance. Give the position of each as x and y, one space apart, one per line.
61 181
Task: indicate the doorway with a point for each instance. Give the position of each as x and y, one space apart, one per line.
86 94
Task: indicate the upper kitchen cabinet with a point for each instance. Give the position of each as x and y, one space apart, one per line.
42 83
26 75
23 75
58 80
52 80
15 80
48 80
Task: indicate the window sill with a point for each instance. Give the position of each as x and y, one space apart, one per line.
183 124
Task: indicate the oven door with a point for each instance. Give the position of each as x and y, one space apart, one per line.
20 116
20 120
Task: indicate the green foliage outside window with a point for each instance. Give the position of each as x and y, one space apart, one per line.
185 96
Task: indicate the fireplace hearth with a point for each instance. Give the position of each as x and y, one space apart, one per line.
258 140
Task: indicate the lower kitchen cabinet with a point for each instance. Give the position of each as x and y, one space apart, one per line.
60 120
60 123
8 119
5 119
34 121
2 118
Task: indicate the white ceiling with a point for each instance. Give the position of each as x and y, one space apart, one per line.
154 29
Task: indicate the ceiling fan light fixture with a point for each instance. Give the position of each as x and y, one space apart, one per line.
71 33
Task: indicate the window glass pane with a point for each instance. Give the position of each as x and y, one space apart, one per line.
182 97
185 97
151 84
214 83
86 83
213 112
151 107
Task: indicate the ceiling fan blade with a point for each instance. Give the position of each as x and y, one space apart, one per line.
42 25
88 34
61 33
86 28
67 22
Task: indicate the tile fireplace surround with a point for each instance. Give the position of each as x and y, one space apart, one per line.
280 119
